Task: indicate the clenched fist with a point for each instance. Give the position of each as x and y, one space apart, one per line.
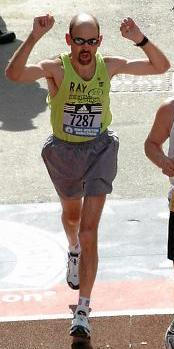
130 30
42 25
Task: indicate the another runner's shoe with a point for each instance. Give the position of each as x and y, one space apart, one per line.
72 275
80 325
169 336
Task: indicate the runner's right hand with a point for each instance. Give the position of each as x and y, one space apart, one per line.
42 25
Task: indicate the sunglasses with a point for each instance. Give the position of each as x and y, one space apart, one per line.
81 41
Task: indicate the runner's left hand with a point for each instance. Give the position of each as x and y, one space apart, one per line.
130 30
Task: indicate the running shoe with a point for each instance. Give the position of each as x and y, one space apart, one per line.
80 325
72 276
169 336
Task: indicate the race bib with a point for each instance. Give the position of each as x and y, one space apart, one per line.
82 119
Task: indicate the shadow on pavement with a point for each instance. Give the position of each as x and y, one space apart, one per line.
20 103
81 345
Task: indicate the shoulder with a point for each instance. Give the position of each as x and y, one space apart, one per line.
165 114
169 103
52 63
114 64
54 66
161 128
166 109
114 59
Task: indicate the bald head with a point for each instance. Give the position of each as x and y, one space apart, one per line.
84 19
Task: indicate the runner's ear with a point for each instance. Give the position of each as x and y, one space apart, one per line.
68 39
100 40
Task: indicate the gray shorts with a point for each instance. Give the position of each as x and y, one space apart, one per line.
82 169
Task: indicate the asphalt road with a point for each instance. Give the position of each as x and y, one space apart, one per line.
24 116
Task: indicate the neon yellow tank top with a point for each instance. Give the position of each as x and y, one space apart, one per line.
80 110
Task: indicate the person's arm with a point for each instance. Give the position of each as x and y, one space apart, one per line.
159 133
156 62
17 69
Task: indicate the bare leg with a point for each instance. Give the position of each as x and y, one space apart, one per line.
71 218
90 217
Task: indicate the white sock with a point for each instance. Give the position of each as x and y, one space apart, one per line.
75 249
83 305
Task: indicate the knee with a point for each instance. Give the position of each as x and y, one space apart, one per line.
71 219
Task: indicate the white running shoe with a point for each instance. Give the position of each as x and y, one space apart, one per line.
80 325
169 336
72 275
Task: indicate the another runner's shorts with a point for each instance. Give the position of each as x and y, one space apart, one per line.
171 236
82 169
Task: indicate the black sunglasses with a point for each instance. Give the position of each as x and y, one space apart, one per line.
81 41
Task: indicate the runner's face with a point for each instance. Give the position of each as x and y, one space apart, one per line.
83 52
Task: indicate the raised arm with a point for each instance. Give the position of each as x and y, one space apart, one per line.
155 63
159 133
18 69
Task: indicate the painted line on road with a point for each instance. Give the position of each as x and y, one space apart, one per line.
100 314
143 84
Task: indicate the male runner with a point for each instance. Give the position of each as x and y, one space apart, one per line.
163 129
81 155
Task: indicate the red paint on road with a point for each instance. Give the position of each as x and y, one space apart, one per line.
106 296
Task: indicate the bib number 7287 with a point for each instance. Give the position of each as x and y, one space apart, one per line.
82 120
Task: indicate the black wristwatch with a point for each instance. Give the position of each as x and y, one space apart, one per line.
143 42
